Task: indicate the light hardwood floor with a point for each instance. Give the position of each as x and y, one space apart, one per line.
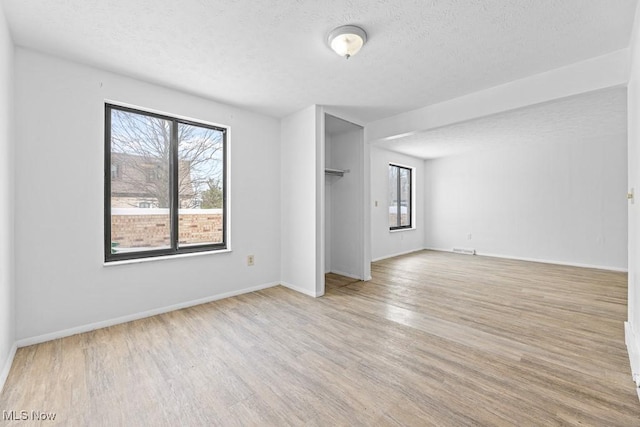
433 339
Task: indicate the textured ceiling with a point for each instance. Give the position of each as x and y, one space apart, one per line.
597 114
270 56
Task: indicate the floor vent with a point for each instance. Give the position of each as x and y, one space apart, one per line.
466 251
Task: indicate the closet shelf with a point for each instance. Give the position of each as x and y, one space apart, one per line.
335 172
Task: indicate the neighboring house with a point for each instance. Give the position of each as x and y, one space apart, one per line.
141 182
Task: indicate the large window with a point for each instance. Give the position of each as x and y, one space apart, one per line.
165 185
399 197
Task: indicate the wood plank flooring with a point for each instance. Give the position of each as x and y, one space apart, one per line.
434 339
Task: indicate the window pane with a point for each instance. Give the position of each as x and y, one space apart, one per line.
393 196
405 196
166 184
200 185
140 201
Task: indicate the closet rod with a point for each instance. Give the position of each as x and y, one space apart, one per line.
336 172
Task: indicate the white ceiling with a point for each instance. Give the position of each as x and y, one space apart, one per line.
596 114
271 57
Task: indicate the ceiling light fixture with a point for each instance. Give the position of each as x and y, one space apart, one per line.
347 40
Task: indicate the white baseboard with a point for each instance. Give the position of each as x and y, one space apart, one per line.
438 249
124 319
349 275
7 366
299 289
633 348
397 254
544 261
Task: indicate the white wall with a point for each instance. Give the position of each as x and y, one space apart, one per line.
385 243
632 327
7 284
345 196
558 202
328 197
61 280
299 207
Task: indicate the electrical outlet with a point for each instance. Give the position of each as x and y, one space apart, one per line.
376 203
250 260
469 236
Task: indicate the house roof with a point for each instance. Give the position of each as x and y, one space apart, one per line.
140 176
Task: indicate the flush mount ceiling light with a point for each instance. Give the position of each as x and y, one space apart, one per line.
347 40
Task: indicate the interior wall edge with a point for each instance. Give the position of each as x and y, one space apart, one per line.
398 254
7 199
301 290
345 274
24 342
540 260
633 348
7 366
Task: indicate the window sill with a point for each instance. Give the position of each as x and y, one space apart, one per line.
399 230
163 258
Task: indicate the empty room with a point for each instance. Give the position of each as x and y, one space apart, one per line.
319 213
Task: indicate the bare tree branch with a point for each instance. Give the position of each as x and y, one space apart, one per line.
141 145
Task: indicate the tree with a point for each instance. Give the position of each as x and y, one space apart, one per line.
212 197
142 146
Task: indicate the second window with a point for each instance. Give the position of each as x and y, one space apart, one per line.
399 197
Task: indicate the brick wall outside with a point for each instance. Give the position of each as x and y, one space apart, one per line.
140 231
394 217
199 228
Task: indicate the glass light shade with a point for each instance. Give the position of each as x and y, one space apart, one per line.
346 41
347 44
